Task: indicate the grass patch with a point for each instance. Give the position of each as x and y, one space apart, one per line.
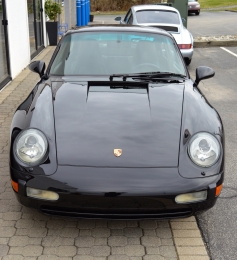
205 4
216 3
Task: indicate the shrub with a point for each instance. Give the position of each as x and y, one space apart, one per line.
52 9
117 5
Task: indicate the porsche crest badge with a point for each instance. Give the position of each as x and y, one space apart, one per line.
118 152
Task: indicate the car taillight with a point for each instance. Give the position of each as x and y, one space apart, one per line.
185 46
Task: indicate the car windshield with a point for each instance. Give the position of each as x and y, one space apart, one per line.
157 16
107 53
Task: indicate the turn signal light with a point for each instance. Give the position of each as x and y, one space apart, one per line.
15 186
185 46
218 190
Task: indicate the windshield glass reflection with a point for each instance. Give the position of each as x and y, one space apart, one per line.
107 53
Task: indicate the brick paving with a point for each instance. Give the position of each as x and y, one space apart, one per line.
27 234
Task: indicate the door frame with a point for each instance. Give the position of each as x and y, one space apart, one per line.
5 26
41 47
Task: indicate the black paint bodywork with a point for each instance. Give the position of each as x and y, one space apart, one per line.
85 118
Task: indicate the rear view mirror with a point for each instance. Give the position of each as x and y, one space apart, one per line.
37 66
202 73
118 18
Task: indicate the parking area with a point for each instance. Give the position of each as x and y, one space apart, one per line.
218 225
213 23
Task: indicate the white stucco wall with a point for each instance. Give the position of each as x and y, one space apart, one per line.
46 41
18 35
70 13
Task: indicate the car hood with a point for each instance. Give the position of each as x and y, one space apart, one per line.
92 121
193 3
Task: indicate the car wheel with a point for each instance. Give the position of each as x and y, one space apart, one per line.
187 61
198 12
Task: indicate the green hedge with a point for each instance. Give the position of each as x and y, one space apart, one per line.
117 5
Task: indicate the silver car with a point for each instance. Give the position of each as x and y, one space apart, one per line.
163 17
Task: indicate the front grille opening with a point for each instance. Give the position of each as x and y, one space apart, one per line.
115 214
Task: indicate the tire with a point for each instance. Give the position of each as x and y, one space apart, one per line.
187 61
198 12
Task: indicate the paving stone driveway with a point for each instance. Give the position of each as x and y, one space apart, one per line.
27 234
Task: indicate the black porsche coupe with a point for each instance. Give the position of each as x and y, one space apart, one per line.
116 128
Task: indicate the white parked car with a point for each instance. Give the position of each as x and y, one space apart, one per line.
163 17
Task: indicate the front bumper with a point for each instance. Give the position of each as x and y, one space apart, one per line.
111 208
193 9
85 195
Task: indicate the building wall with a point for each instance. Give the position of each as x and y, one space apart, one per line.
18 35
46 40
70 13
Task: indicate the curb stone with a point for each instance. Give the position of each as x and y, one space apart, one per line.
215 41
188 240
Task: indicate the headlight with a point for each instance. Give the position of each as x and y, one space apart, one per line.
204 149
31 147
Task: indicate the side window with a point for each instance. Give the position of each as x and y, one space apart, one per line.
127 16
130 19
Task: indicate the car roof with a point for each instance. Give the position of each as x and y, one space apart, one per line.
153 7
118 28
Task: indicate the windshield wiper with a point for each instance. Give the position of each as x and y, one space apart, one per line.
161 79
129 87
148 75
167 74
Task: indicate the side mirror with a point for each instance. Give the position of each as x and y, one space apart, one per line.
183 21
203 72
37 66
118 18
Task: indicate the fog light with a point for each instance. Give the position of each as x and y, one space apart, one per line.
191 197
41 194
